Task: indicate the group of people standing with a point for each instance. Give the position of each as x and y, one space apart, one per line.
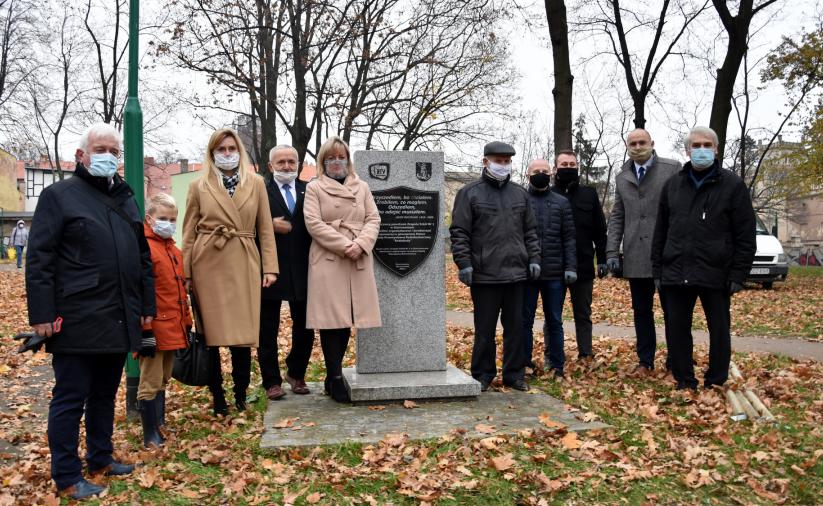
103 281
685 232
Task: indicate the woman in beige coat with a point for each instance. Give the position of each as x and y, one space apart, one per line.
227 215
343 222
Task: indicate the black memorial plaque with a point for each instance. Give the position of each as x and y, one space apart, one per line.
408 227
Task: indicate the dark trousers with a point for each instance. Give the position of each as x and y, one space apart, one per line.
240 371
302 341
334 343
491 301
552 292
580 293
680 301
19 251
82 382
642 290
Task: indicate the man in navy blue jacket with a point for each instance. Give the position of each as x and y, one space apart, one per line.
88 264
704 245
558 266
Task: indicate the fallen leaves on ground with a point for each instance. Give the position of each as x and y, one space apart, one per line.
665 446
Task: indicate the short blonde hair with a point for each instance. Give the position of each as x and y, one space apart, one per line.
331 143
161 200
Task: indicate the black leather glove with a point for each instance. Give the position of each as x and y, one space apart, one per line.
534 271
148 344
613 264
734 287
602 270
465 275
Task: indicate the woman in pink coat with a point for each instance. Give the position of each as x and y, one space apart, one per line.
343 221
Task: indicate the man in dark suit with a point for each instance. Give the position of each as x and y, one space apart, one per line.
590 232
293 241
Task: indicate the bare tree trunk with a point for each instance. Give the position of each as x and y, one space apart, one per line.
737 30
563 79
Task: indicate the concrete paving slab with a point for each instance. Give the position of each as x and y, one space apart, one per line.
314 419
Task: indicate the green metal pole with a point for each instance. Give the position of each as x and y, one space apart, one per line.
133 144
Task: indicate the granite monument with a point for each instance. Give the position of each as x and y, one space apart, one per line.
406 357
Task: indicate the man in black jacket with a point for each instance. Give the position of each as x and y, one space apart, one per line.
89 265
495 246
590 229
293 242
704 246
558 265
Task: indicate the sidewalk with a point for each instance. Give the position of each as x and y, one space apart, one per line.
788 346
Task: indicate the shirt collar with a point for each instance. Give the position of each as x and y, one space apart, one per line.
646 165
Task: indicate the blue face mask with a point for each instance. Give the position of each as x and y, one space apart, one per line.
702 157
103 165
164 228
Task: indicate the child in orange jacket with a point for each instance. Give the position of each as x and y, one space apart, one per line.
169 329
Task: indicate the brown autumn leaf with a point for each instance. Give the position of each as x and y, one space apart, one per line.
503 462
285 423
485 429
546 420
570 441
410 404
314 498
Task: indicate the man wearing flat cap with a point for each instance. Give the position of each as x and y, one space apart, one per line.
496 249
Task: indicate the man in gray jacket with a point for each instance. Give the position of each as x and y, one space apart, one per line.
496 249
637 194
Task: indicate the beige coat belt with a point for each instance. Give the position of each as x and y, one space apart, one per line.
353 230
222 234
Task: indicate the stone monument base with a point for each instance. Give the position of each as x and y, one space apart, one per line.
398 386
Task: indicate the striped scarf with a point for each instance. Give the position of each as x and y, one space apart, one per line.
231 182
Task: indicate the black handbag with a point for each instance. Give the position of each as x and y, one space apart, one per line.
191 364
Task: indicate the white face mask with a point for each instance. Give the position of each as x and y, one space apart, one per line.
284 177
500 171
336 168
164 228
226 162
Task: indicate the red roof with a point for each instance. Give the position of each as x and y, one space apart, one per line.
67 165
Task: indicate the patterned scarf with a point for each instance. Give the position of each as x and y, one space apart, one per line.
231 182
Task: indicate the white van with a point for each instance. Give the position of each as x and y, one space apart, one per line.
770 263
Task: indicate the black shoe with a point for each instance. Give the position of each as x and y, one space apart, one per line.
240 398
686 386
148 417
81 490
558 373
338 390
219 403
484 385
113 469
519 385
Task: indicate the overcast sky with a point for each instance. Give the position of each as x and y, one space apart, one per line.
531 53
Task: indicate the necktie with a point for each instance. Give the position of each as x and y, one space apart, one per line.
289 198
641 171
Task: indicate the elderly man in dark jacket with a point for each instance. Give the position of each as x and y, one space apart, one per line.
636 198
293 242
88 266
495 246
704 246
558 266
590 232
